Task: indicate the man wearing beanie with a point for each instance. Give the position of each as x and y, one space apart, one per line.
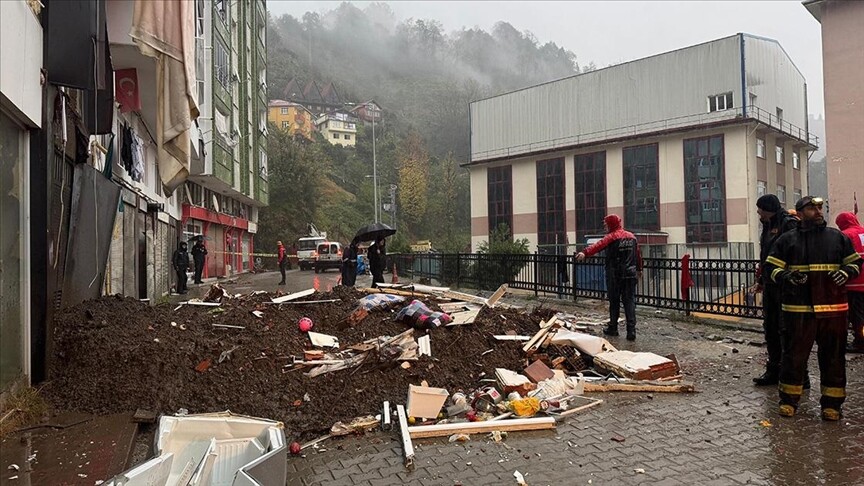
775 222
813 263
623 267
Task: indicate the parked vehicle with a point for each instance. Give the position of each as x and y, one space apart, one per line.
329 255
307 247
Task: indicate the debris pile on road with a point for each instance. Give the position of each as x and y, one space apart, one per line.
312 360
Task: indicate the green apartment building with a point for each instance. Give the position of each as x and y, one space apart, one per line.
228 182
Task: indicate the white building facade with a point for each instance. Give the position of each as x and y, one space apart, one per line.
679 144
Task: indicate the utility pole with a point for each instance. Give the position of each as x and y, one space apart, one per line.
374 163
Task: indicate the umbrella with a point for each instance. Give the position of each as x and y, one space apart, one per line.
374 231
205 238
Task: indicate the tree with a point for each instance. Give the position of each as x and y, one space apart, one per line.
413 180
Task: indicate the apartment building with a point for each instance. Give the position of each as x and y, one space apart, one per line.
338 128
292 117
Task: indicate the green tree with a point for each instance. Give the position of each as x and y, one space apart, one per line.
413 180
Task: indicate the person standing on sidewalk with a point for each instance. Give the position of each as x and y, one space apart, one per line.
623 268
775 221
377 261
282 260
849 225
199 252
349 265
180 262
813 263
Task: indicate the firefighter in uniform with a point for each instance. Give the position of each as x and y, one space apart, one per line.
775 221
813 264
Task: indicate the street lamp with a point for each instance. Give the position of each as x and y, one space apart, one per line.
374 160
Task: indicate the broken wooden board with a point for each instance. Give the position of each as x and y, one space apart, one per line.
441 430
636 366
593 403
545 327
506 337
294 296
462 318
453 307
496 296
640 386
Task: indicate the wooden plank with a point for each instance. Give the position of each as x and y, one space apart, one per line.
545 327
504 337
391 292
580 408
407 446
462 318
640 387
441 430
495 297
294 296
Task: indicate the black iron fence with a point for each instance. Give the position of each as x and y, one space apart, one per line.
709 286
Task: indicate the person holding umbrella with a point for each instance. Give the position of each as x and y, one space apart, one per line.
180 262
377 261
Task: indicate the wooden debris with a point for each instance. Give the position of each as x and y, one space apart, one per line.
642 386
425 345
203 366
538 371
143 416
313 354
228 326
323 340
294 296
441 430
462 318
407 446
501 337
495 297
316 441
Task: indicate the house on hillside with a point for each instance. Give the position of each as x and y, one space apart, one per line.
680 144
315 99
338 127
367 111
293 117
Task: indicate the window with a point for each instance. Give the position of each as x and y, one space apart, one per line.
499 194
760 148
720 102
284 111
285 124
780 116
550 202
222 9
752 99
590 174
704 190
335 135
781 194
761 188
778 154
200 57
347 136
222 69
796 162
796 195
641 188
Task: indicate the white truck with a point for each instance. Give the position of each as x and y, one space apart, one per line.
307 247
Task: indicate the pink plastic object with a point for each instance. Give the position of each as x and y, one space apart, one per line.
305 324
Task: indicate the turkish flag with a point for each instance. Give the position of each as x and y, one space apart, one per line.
126 90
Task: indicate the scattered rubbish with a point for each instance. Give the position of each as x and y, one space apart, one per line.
459 438
214 448
538 371
13 467
766 423
463 318
294 296
425 345
525 407
639 470
226 355
358 425
418 316
203 366
425 401
405 365
323 340
386 423
258 314
228 326
295 448
618 438
511 338
407 446
484 427
497 436
520 480
637 366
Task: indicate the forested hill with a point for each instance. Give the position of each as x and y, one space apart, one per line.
413 68
423 78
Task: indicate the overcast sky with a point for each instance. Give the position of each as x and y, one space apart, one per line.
617 31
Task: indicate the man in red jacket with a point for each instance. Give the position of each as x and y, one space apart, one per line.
623 267
849 225
282 261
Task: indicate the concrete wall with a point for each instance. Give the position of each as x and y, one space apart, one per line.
843 71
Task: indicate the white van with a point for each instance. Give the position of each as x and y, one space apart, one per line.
307 247
329 256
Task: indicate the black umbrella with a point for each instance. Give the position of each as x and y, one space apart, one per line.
374 231
199 236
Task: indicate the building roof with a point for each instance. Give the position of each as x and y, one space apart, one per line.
292 90
312 93
287 104
814 7
330 95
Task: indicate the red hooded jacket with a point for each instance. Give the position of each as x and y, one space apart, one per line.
623 257
849 225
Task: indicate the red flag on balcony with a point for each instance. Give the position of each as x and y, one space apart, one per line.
126 90
686 279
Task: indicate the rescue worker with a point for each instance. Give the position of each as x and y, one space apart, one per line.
349 265
849 225
199 252
813 264
180 262
623 268
282 256
775 222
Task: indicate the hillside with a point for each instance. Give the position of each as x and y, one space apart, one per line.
423 78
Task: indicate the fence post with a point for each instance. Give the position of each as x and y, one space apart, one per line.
573 277
458 269
536 275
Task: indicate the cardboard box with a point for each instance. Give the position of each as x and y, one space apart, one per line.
425 401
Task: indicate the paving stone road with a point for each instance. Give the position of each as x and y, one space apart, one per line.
713 437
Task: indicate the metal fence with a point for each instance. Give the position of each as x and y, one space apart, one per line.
718 286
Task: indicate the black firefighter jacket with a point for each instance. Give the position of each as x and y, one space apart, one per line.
815 251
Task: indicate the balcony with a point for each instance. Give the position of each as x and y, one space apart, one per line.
770 120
